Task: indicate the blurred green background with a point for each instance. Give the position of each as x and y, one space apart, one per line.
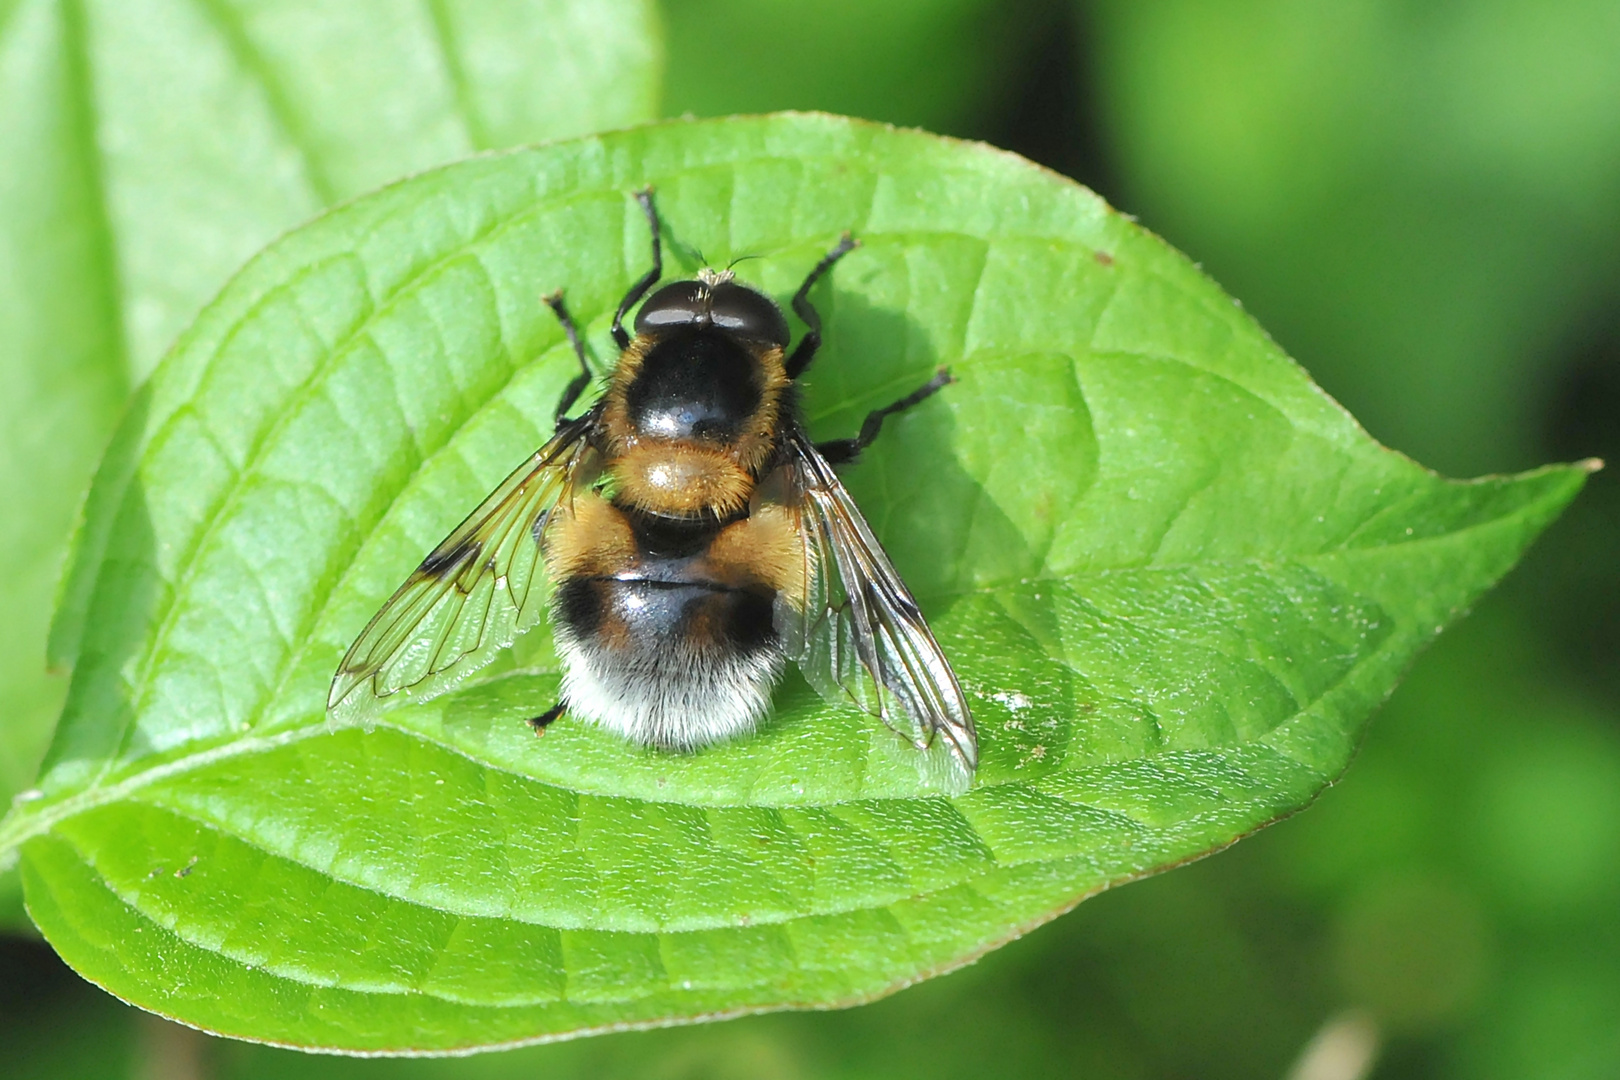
1421 202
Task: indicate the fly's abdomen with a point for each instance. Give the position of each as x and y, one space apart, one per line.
677 665
636 615
667 638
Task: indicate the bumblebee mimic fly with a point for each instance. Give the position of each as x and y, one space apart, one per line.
687 539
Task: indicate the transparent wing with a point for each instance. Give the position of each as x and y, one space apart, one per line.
471 597
859 636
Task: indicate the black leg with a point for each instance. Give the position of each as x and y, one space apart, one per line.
577 385
839 451
802 307
648 280
540 722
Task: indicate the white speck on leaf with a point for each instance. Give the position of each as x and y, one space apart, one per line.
1012 699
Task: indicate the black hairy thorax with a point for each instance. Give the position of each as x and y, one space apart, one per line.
695 385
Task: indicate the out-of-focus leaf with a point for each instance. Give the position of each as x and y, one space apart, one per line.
944 65
1173 575
61 365
151 146
1490 776
1419 203
57 1026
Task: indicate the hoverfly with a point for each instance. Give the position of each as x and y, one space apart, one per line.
695 539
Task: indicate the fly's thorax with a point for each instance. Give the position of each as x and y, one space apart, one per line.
689 420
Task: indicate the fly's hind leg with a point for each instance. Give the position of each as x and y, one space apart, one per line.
840 451
541 722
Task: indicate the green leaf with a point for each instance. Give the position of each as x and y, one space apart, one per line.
1422 208
946 65
152 146
1173 576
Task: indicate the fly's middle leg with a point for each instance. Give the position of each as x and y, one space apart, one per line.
840 451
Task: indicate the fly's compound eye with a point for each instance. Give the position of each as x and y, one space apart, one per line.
739 310
724 305
683 303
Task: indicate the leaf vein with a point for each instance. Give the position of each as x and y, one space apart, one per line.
212 520
444 37
233 31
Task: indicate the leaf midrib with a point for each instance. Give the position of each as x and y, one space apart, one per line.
21 825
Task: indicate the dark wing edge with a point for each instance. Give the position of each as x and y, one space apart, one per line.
860 637
472 596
